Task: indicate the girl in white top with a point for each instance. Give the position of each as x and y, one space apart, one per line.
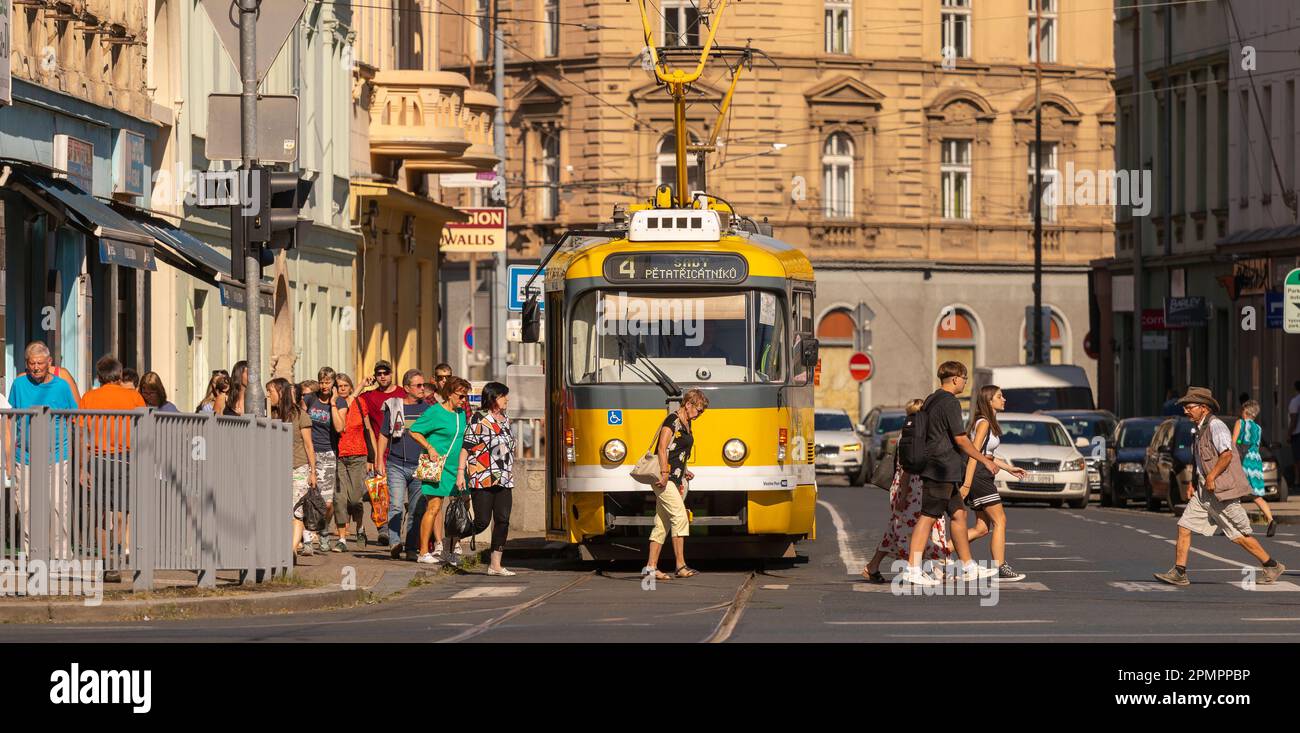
978 489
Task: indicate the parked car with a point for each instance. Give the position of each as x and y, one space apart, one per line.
1276 487
1091 431
1168 464
1038 387
1057 472
1124 472
839 445
878 423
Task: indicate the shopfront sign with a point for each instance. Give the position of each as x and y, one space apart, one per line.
75 159
128 164
484 232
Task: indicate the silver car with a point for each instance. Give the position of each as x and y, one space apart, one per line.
839 444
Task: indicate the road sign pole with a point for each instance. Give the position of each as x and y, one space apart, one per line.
253 398
499 284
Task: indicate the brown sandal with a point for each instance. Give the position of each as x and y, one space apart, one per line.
687 572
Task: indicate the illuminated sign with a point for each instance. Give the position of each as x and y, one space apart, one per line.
673 267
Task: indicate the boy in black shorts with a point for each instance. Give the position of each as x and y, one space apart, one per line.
946 443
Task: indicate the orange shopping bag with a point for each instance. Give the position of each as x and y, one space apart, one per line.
377 488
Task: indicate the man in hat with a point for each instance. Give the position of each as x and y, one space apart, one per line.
1219 485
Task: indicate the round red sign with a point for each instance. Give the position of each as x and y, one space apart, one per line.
861 367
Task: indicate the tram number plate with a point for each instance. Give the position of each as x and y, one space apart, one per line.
674 267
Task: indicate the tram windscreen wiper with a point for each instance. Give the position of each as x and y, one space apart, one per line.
628 355
661 378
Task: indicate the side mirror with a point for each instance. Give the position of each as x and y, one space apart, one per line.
808 352
530 328
1081 442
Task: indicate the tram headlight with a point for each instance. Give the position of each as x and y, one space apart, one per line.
615 451
734 450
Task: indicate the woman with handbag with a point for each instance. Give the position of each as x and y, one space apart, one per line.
440 431
672 448
489 458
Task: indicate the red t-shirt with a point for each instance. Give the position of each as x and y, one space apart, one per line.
353 440
372 405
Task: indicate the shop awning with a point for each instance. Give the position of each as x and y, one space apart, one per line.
179 248
120 241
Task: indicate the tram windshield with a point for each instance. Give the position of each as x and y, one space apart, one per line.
714 337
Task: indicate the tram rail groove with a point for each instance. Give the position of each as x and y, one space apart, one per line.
514 611
735 609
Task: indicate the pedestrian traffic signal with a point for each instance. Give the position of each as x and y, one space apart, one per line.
281 196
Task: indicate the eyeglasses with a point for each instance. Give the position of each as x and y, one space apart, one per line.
382 374
460 395
418 385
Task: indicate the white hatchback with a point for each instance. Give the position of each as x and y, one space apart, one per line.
1056 471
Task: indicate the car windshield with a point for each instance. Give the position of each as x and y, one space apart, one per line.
1086 426
1136 435
890 423
832 421
1033 432
1183 435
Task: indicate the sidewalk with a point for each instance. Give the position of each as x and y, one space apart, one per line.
1285 512
320 582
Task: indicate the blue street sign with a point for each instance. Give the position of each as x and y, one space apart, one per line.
518 276
615 417
1274 301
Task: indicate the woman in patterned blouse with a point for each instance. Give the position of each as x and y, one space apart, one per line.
674 445
489 458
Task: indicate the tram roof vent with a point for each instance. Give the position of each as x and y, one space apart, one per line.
675 225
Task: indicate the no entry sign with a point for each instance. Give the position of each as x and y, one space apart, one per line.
861 367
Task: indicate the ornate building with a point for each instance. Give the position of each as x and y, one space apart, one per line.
891 140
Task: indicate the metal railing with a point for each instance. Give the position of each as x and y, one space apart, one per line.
142 491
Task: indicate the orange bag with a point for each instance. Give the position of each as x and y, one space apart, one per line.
377 488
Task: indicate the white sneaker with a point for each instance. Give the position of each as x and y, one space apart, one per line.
503 571
427 559
973 571
916 577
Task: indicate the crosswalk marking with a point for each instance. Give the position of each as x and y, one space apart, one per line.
1277 585
777 586
888 587
488 591
1022 585
1142 586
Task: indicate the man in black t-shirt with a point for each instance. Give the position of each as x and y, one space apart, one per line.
946 447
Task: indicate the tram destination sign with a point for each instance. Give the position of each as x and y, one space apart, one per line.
676 267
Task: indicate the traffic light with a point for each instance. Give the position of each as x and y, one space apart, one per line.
288 194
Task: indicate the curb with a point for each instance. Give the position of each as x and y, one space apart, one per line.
296 601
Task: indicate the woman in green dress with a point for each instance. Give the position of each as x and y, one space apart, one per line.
1246 434
440 430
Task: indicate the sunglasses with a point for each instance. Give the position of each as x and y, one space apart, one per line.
382 374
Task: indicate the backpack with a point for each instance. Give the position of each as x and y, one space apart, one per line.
912 455
313 510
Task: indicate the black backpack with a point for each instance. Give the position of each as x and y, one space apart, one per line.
313 510
911 444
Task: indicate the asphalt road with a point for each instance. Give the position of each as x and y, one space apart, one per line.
1089 579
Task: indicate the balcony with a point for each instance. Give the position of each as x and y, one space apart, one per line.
477 118
418 115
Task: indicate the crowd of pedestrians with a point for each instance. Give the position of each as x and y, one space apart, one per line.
349 441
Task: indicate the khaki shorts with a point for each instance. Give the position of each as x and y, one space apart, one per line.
1205 515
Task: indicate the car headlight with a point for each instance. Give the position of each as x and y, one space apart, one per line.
1270 466
1130 468
1075 464
734 450
851 447
615 451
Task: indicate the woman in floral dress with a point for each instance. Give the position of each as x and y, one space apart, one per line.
904 508
1246 434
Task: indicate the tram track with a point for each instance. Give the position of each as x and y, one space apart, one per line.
514 611
735 609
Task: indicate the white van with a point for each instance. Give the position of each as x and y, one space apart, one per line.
1034 388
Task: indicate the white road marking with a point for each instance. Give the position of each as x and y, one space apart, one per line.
1143 586
1073 558
1021 585
1049 543
1277 585
1292 543
874 588
852 563
488 591
1040 572
780 586
980 622
1273 618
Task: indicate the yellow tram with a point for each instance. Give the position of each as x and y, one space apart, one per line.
680 298
678 293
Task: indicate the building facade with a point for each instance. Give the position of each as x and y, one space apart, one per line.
412 122
1210 111
78 123
890 140
308 312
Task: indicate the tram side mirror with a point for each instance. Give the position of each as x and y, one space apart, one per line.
808 352
530 329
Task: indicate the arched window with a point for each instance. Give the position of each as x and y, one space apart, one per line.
837 176
1058 340
955 340
836 328
667 163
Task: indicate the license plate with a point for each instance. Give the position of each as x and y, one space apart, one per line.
1037 478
